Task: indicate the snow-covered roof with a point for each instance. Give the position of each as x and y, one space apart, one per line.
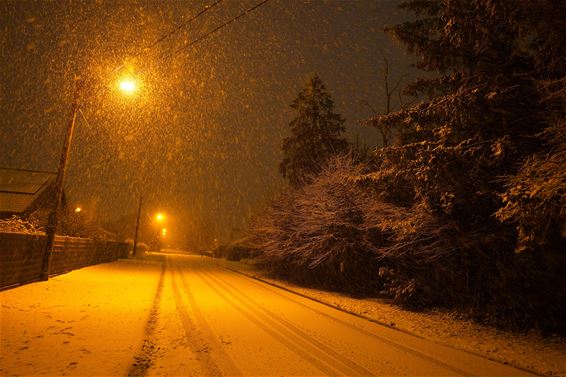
20 189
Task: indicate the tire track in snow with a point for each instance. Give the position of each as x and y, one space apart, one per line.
274 330
382 339
324 352
143 360
225 360
197 345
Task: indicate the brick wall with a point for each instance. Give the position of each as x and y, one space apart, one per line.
21 256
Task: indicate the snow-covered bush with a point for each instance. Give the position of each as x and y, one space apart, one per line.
322 233
535 203
16 224
130 244
240 249
142 248
449 248
219 251
535 197
340 233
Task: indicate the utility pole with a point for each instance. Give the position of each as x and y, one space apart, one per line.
137 228
58 194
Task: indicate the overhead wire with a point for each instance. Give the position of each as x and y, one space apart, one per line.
183 24
245 12
197 40
170 33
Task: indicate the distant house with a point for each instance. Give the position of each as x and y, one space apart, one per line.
23 192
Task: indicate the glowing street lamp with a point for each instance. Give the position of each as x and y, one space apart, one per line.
160 232
159 217
78 210
128 86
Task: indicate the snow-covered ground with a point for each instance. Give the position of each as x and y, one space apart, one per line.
529 351
87 322
179 314
55 328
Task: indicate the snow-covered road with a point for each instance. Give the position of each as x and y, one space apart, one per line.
180 314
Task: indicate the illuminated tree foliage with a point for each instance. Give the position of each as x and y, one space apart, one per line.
489 55
500 86
315 134
485 151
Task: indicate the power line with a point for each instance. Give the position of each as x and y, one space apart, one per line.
181 25
249 10
172 32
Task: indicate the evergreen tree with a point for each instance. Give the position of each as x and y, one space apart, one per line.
489 140
315 134
489 55
490 58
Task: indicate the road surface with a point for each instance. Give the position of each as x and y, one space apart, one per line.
181 314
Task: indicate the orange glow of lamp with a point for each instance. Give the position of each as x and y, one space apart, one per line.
128 86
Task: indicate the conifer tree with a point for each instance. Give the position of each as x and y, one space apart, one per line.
489 59
489 140
315 134
488 55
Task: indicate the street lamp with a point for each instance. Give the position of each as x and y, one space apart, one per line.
127 86
159 219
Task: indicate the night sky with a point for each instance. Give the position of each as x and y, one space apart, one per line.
201 140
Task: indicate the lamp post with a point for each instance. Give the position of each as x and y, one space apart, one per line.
134 252
53 219
126 85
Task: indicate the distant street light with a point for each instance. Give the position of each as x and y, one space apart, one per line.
159 219
78 210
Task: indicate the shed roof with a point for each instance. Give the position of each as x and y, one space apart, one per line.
19 189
